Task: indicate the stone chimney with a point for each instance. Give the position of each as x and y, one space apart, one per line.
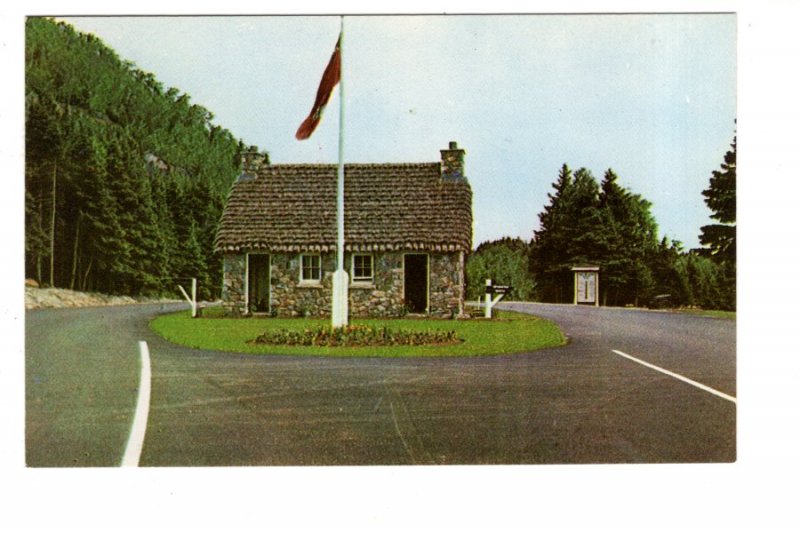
252 160
453 162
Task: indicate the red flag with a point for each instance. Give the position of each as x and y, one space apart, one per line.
329 80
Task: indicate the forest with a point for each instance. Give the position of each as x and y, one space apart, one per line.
124 180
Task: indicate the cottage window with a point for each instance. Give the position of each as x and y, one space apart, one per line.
310 267
362 268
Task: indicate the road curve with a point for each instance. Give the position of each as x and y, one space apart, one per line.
81 382
701 348
581 403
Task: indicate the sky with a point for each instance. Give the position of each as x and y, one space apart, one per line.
651 96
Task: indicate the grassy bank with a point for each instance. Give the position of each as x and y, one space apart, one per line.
509 333
725 315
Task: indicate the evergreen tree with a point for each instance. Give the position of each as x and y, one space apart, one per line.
548 255
571 233
103 255
586 224
669 272
719 240
720 197
703 276
630 240
584 230
36 237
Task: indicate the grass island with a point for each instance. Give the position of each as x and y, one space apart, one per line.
508 333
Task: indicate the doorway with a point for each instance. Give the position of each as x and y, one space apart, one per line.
258 283
415 278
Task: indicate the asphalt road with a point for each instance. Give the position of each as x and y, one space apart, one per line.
81 382
581 403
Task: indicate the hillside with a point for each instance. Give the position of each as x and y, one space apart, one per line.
124 180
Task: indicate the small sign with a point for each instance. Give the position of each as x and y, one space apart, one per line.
586 285
499 289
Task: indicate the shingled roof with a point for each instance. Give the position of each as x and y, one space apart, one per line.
388 207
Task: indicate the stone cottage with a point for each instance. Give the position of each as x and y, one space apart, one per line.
408 227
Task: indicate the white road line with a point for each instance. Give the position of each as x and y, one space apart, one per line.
400 434
136 440
678 376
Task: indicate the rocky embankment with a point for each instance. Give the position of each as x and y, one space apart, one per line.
39 298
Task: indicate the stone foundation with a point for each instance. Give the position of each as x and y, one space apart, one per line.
383 297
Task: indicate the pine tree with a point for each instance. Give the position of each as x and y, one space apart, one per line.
720 197
548 255
630 240
719 240
570 233
105 253
586 224
669 272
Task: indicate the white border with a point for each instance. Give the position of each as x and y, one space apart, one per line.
755 494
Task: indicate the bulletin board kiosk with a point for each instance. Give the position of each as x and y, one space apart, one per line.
587 285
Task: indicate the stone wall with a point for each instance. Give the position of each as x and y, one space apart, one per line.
447 285
233 283
290 298
381 298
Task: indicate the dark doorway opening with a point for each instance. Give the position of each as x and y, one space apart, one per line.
258 283
416 283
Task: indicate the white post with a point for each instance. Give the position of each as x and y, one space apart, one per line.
596 289
487 310
194 297
575 291
340 281
491 302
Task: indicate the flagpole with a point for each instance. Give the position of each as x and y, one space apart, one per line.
340 176
339 301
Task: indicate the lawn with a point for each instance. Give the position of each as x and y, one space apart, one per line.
710 313
506 334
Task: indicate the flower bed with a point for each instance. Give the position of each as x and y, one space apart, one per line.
356 335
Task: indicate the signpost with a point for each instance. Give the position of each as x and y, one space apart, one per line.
494 293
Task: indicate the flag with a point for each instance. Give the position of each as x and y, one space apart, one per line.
330 78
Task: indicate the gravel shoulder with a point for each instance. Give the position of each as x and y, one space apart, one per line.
50 298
